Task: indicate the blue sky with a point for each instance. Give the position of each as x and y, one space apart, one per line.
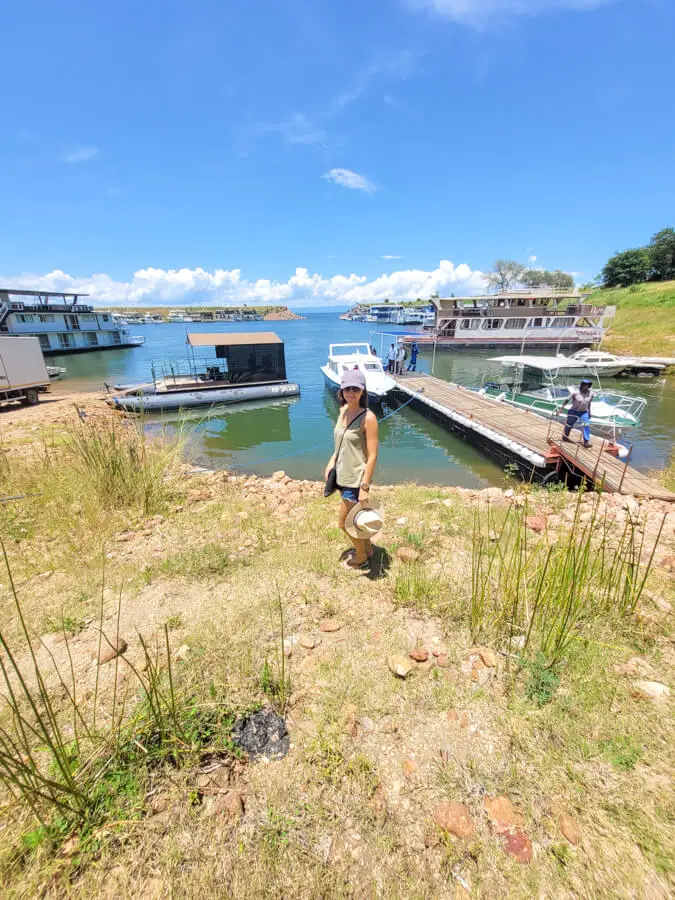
321 152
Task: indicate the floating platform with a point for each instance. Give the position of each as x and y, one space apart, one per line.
512 435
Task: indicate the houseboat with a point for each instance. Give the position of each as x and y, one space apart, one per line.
61 323
531 319
219 368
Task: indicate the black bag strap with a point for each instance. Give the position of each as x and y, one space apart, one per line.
355 419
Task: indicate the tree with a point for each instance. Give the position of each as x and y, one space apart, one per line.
662 254
505 273
557 280
629 267
561 281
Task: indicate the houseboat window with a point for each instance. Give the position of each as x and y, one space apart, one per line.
24 318
522 302
46 317
514 323
91 338
563 322
44 341
105 317
66 340
473 324
492 324
535 323
116 339
84 317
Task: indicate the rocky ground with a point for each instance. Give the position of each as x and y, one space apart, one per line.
417 763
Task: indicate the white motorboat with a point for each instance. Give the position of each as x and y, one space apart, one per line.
576 366
342 357
55 372
600 361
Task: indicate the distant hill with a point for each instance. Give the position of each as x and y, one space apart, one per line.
645 318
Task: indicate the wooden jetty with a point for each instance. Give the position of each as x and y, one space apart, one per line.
513 435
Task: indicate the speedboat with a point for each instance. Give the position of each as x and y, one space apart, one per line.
599 361
342 357
577 366
55 372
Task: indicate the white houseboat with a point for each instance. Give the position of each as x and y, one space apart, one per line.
61 323
532 319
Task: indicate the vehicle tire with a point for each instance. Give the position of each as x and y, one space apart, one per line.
30 397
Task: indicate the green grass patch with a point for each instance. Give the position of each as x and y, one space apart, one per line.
197 562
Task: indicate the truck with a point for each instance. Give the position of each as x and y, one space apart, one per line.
23 373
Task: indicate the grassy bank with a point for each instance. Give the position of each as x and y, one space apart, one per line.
516 758
644 320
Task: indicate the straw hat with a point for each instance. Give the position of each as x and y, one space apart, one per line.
364 521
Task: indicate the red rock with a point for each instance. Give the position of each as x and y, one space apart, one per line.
410 767
329 625
502 814
419 654
110 648
407 554
519 846
230 806
464 720
569 828
489 657
536 523
453 715
442 660
454 818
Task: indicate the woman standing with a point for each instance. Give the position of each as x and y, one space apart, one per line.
355 456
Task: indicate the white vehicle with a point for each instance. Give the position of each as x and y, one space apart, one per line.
23 374
342 357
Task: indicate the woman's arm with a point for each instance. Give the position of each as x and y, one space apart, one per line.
372 444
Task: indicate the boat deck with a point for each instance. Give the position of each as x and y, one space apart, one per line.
524 435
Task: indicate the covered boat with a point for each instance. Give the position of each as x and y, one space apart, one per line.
230 368
342 357
575 366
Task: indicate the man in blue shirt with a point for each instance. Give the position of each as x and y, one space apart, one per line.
580 411
414 350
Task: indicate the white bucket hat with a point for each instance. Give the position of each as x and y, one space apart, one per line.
364 521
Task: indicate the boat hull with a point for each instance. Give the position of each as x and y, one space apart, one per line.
174 400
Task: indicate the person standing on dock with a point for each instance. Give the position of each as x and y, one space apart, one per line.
400 358
391 360
354 459
414 350
580 411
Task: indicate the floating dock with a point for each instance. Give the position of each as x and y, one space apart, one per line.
518 436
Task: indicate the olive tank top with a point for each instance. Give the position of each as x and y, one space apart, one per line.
351 462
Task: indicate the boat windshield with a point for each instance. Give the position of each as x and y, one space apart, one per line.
350 350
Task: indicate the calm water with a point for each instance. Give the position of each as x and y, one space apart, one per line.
296 434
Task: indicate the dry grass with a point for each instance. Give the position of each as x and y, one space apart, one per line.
349 810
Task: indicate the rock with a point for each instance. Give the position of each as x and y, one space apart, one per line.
329 625
503 815
307 641
410 767
464 720
401 520
453 715
262 734
110 649
509 493
366 724
650 690
400 666
125 536
636 665
279 475
536 523
569 828
229 806
517 643
443 661
407 554
667 563
454 818
181 653
419 654
518 845
433 502
489 657
493 494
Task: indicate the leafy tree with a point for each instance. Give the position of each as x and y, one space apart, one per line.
557 280
662 254
505 273
560 281
629 267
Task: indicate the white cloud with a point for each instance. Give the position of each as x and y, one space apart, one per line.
532 259
484 12
80 154
348 179
183 287
390 256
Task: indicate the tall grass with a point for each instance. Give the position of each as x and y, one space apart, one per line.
547 591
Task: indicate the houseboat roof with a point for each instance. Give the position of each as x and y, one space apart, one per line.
39 293
502 296
232 339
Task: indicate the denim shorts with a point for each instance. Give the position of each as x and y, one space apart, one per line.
351 495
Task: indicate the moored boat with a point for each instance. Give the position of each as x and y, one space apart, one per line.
238 368
342 357
579 365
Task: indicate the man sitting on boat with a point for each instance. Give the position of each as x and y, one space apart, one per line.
580 411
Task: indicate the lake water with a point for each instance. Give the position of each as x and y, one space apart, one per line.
296 434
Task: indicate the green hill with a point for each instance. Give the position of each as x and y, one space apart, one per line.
645 318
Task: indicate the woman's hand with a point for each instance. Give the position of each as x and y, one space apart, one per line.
325 474
364 494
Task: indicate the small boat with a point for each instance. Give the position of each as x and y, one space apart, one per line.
56 372
238 368
598 360
577 366
342 357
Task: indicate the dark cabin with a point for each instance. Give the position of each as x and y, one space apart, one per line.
248 357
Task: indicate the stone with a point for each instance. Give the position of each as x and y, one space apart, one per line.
399 665
464 720
229 806
442 660
536 523
452 715
518 845
329 625
410 767
433 502
636 665
650 690
181 653
401 520
262 734
307 641
366 724
419 654
454 818
278 475
407 554
489 657
111 648
503 815
125 536
569 828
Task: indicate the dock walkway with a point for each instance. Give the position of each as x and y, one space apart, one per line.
531 441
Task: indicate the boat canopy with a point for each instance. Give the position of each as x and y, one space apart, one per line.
540 363
232 338
253 356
